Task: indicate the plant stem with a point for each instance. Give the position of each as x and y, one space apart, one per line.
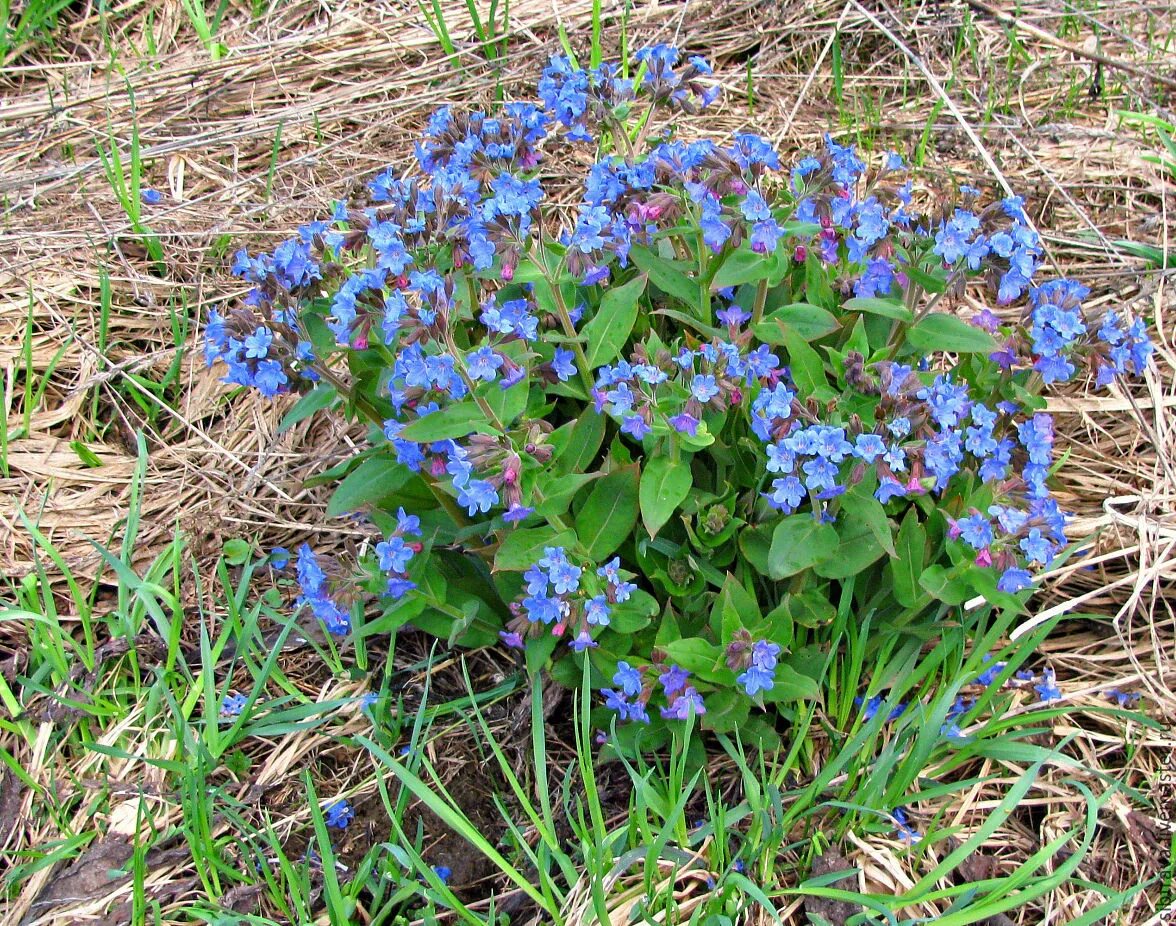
569 329
761 298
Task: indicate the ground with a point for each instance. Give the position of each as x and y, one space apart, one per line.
260 124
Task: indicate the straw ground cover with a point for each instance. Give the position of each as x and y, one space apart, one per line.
249 121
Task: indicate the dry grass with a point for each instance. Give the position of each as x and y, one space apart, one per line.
347 85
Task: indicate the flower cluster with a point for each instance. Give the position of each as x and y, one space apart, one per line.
328 590
736 336
1056 335
316 593
395 553
758 662
635 686
563 598
1022 680
673 391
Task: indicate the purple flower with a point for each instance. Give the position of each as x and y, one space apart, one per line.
733 316
673 679
635 426
582 642
518 513
512 639
685 424
680 707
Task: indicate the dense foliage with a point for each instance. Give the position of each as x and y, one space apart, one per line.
677 433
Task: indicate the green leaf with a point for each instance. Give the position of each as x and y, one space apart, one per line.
734 610
755 544
743 266
237 552
523 546
583 444
942 332
689 321
665 483
726 711
85 454
791 685
507 404
811 609
885 307
816 282
666 276
610 513
807 368
610 327
317 399
460 420
907 566
700 658
633 615
799 542
933 281
559 492
808 321
364 486
942 583
857 549
868 510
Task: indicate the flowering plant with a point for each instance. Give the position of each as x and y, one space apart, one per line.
667 441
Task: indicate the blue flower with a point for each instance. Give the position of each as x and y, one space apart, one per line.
339 814
279 558
787 494
483 364
233 704
596 611
902 826
151 197
443 873
582 641
1014 579
628 679
704 388
990 673
755 680
517 513
563 363
477 495
394 554
953 237
1037 548
976 531
635 426
1046 688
